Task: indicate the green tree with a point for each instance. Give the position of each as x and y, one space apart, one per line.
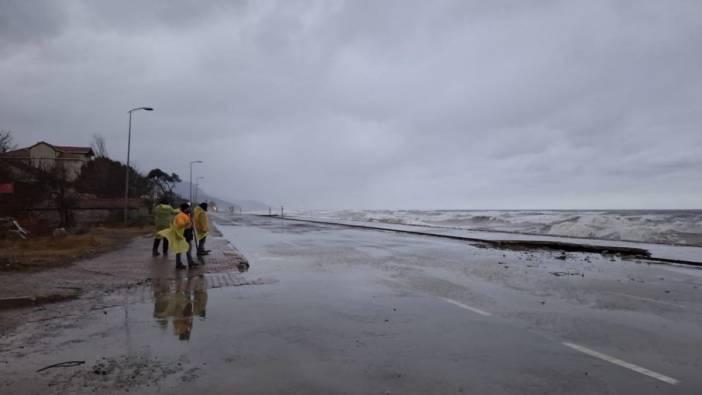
103 177
164 182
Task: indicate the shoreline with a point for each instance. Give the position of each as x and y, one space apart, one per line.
536 242
663 227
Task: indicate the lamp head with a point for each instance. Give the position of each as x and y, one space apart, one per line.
141 108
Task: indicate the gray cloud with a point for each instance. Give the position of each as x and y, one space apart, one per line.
28 23
366 104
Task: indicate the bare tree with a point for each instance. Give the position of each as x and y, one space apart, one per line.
40 184
6 141
56 182
99 146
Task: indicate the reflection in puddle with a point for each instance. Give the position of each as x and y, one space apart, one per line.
179 301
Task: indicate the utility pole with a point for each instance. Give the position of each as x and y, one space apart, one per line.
129 146
190 182
197 186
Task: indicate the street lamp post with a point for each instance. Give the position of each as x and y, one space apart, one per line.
190 183
129 146
197 186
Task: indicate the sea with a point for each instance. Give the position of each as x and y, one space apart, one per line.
678 227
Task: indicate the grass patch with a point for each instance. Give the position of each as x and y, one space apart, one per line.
47 251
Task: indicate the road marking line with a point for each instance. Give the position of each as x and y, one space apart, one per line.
624 364
464 306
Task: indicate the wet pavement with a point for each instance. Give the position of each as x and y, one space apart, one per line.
327 309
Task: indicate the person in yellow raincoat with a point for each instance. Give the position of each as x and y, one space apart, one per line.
201 221
163 215
176 237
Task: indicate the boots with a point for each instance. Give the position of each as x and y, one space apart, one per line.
201 251
154 251
179 263
189 254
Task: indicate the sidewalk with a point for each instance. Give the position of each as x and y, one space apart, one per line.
92 278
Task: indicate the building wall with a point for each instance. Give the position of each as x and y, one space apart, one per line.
45 157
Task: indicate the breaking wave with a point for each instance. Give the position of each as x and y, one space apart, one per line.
652 226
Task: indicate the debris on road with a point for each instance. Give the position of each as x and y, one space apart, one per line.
8 226
559 274
66 364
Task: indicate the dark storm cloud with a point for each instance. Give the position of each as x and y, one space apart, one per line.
455 104
27 23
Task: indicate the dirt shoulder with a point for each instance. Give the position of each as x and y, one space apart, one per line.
93 279
46 252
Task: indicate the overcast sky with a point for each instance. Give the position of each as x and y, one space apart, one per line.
374 104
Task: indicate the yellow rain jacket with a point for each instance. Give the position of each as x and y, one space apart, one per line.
202 222
174 233
163 215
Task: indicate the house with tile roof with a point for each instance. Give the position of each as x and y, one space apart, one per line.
45 155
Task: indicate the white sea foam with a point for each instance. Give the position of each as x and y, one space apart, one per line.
653 226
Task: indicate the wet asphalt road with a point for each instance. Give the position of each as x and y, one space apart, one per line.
327 309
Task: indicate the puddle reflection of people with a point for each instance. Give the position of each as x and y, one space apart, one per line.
179 301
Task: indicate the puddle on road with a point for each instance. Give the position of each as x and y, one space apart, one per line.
180 303
154 339
177 301
194 329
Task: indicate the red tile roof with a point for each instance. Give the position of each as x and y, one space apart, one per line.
64 151
18 153
73 150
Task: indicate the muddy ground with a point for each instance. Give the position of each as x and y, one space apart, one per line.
46 252
128 266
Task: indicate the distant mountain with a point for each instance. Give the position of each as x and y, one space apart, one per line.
223 204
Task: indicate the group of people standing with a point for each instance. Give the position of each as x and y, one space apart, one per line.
178 228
